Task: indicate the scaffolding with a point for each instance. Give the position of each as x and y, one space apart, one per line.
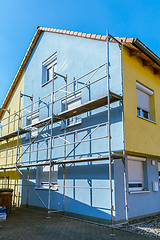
35 106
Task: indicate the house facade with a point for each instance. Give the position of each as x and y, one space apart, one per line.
8 135
141 110
78 154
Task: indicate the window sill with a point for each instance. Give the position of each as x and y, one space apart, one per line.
47 188
136 192
147 119
44 84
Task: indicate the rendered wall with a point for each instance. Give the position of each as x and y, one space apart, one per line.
141 136
75 57
13 106
147 202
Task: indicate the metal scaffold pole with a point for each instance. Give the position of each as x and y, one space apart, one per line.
29 155
50 164
6 152
17 154
64 166
6 164
109 133
124 149
41 142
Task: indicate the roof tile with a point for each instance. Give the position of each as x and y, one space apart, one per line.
122 39
88 35
93 36
84 34
98 37
129 40
79 34
104 38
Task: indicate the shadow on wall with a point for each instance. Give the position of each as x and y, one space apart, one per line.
91 202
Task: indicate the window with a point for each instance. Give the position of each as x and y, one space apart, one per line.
159 172
48 68
72 102
135 173
4 182
143 101
32 119
42 179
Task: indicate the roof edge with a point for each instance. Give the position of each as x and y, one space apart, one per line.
73 33
143 48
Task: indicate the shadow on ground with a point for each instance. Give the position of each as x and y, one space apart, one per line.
32 224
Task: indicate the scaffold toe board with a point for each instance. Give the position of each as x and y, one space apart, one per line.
85 107
13 134
90 105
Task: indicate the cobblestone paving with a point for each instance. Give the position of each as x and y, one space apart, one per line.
32 224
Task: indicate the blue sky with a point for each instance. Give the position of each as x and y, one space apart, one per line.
19 20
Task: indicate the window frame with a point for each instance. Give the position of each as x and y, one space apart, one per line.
49 63
132 184
141 112
76 119
3 185
42 182
29 119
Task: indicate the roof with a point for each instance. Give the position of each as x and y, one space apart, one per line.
137 48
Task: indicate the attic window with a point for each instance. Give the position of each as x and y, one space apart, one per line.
48 68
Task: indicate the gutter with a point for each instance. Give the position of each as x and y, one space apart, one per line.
138 44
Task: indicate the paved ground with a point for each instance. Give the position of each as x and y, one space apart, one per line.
32 224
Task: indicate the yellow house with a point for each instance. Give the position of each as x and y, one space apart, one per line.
141 84
9 115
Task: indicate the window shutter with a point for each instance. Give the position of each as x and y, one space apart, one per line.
143 100
135 171
74 104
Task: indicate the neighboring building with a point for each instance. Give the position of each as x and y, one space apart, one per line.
84 166
8 134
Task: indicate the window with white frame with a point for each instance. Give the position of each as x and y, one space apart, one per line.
4 182
49 66
31 120
159 172
143 101
135 173
71 103
42 177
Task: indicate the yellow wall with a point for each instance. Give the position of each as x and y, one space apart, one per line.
141 136
13 106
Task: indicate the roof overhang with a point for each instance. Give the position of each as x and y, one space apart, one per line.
138 49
